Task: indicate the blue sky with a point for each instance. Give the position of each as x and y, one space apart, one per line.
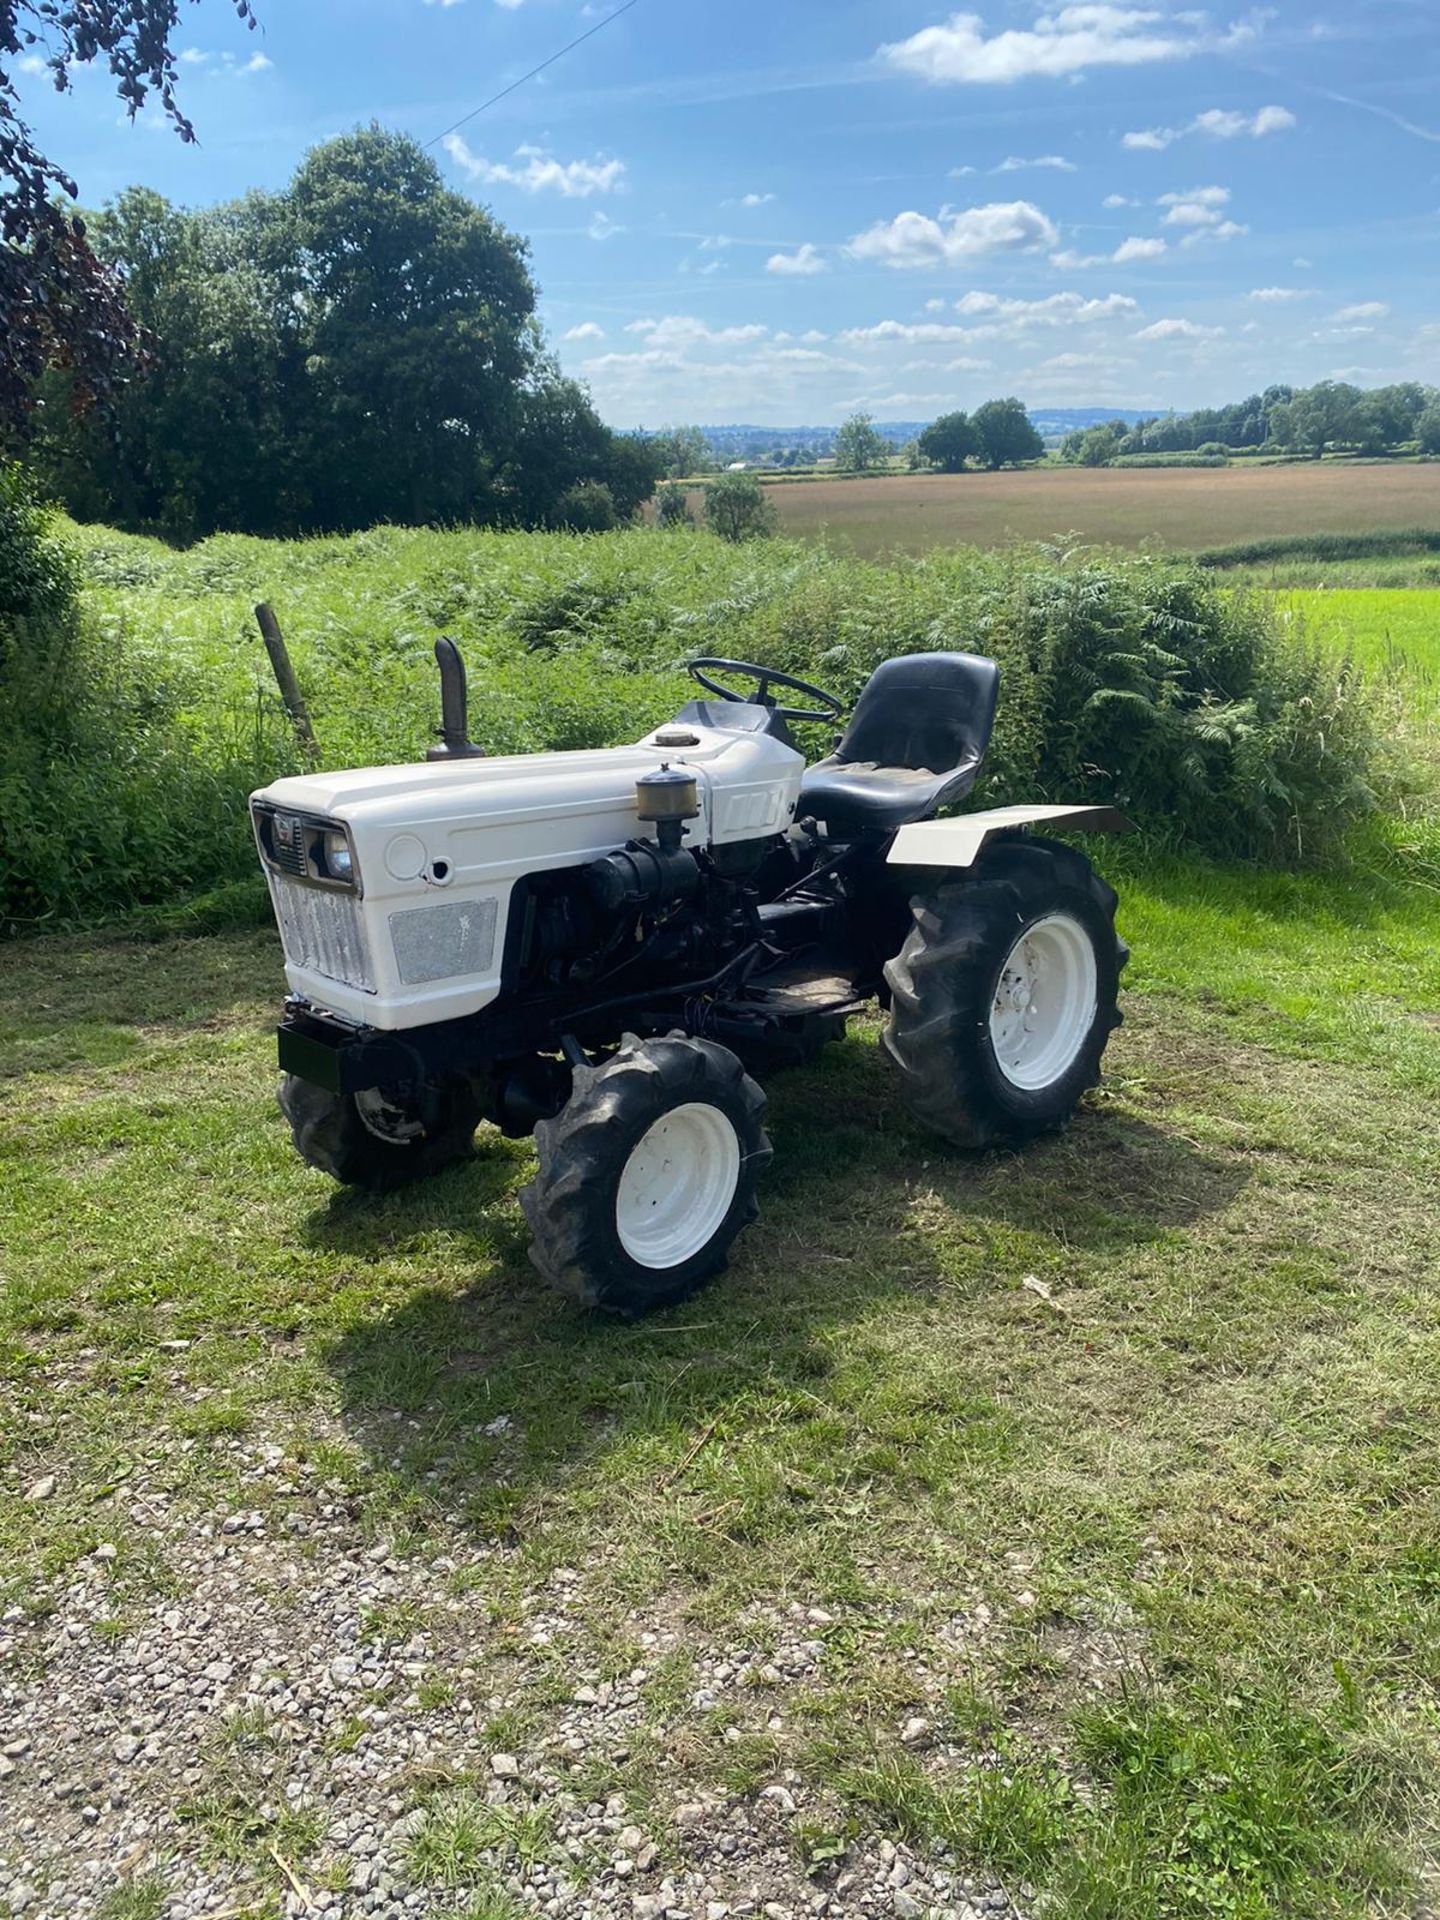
781 212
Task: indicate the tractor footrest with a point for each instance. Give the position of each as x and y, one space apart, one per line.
804 990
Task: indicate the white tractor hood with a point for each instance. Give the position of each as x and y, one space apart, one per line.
460 833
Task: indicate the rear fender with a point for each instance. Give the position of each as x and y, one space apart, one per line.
958 842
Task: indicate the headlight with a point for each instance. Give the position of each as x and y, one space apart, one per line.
339 861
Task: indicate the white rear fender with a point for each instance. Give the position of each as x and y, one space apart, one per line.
957 842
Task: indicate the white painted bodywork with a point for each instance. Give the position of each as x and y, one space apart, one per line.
486 822
957 842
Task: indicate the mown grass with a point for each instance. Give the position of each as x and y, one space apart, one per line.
1117 1460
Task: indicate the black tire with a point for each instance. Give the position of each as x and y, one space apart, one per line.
946 977
331 1134
572 1203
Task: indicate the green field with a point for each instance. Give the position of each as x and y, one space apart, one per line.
1392 631
1063 1521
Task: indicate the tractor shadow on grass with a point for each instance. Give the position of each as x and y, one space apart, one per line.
866 1224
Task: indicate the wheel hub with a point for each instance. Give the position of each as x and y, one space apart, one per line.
1044 1003
677 1185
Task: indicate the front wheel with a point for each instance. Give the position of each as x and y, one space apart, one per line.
647 1174
1004 994
366 1140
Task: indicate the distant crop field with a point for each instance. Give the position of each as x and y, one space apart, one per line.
1181 507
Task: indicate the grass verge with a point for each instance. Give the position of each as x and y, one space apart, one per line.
1113 1463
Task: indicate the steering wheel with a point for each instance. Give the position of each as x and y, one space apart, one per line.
759 696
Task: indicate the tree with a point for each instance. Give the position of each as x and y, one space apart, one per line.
57 303
588 507
858 446
1427 428
738 508
1094 446
947 443
672 508
1005 435
1316 416
358 347
684 451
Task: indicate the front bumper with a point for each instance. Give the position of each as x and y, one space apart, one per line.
331 1053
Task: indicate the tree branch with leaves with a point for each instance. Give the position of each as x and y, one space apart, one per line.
58 304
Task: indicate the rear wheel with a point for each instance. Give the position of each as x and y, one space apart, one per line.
1003 996
647 1174
368 1140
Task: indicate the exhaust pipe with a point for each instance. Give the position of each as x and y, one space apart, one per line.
455 742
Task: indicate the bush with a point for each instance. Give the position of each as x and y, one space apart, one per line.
738 508
37 575
588 508
1125 678
1386 543
1178 459
672 507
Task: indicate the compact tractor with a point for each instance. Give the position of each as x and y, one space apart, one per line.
603 948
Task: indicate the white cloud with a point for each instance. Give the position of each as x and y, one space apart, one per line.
587 330
1274 296
1178 330
1364 310
926 333
966 365
1071 362
934 306
1200 207
684 330
1219 123
1056 162
1222 230
756 199
1064 42
955 239
805 260
541 172
1113 200
32 63
1138 248
1056 309
602 227
1129 252
959 173
217 63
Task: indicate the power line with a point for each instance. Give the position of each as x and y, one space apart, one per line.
568 48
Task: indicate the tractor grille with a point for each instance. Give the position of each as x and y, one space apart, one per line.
323 932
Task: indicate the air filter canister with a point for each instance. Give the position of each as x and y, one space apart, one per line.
668 794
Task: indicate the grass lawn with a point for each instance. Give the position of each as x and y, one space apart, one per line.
1114 1465
1185 509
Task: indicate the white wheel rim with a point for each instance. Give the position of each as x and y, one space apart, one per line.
1045 1002
677 1186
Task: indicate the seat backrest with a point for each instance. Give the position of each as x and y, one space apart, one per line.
930 710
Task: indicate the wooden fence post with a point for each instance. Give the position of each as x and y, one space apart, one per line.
285 679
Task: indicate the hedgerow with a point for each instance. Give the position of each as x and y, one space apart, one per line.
1131 679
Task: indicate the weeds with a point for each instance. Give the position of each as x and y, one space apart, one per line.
1126 679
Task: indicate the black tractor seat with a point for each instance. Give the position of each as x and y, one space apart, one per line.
915 742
